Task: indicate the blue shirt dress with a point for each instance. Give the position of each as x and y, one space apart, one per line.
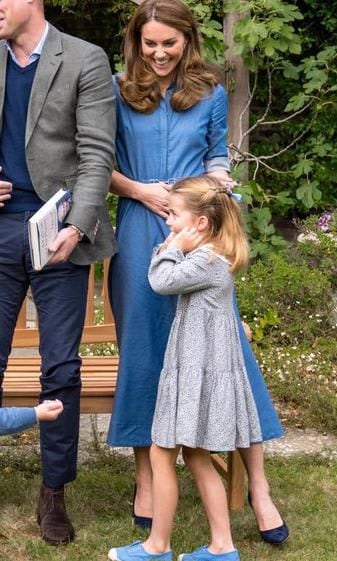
165 145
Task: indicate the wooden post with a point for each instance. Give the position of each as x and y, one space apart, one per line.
233 471
238 86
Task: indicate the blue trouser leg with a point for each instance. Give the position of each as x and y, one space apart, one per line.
13 282
59 294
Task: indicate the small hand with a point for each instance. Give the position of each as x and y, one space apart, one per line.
5 191
63 245
166 242
186 240
49 410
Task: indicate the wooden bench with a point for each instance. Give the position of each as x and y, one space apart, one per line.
99 374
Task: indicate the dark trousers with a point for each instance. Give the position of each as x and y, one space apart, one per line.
59 293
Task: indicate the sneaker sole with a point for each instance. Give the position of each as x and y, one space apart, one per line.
113 554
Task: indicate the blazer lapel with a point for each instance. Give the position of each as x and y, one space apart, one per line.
50 61
3 66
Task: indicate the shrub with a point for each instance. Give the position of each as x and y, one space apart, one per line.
285 301
318 245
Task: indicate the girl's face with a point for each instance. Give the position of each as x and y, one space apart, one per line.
162 48
180 217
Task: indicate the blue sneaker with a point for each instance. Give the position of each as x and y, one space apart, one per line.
136 552
202 554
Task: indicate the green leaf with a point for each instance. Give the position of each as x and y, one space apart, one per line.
296 102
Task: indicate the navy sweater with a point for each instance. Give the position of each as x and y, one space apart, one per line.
19 83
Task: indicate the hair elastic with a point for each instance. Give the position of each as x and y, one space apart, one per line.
227 189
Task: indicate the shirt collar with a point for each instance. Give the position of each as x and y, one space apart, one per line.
37 50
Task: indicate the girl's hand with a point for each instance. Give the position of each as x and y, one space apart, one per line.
187 240
154 196
166 242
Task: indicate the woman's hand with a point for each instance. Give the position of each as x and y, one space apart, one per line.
222 176
154 196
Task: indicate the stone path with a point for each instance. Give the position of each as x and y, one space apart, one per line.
301 442
296 441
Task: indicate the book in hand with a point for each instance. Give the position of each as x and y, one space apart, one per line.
44 226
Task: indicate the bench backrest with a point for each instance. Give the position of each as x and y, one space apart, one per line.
99 330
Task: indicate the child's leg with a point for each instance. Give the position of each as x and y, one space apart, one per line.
165 498
213 496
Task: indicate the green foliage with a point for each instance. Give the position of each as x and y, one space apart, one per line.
262 234
264 324
288 300
210 29
291 51
265 30
100 22
319 248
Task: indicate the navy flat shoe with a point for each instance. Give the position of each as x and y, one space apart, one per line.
274 536
143 522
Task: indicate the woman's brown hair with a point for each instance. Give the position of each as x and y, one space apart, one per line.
207 196
139 86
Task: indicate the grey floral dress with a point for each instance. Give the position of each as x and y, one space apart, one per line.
204 397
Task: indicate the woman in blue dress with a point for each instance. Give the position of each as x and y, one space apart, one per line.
171 123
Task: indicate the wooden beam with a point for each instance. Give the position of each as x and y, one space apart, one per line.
238 116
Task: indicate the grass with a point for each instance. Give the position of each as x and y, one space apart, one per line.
302 378
99 505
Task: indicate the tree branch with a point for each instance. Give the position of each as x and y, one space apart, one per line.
266 111
280 121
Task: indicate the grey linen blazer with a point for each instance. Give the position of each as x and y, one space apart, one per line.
70 134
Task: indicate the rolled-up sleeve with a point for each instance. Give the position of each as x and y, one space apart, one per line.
217 155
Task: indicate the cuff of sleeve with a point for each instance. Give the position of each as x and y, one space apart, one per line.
171 253
221 162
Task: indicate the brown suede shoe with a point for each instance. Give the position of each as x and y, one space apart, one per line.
55 525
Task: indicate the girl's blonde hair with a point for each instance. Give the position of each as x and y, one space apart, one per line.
139 86
206 196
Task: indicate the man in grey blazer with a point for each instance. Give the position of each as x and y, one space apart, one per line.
57 129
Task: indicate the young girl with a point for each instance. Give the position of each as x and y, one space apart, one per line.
204 399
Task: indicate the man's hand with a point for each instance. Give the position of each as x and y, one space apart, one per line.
5 191
187 240
63 245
